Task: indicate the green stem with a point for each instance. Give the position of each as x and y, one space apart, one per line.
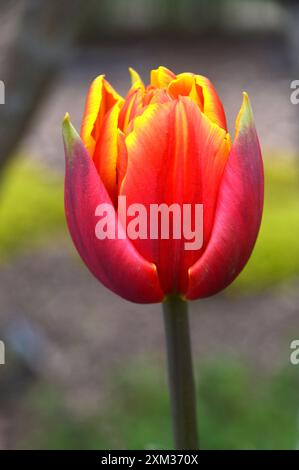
180 372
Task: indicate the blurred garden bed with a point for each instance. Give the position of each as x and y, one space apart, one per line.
238 409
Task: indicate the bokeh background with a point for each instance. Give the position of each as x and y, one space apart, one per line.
85 369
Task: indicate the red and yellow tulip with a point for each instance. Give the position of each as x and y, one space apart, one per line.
164 143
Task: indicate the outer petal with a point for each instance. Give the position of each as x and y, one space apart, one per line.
100 99
238 213
115 263
175 156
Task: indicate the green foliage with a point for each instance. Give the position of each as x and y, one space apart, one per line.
276 255
237 410
31 208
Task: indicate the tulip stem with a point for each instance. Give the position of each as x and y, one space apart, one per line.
180 373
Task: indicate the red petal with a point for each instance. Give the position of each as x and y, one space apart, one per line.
175 155
238 213
115 263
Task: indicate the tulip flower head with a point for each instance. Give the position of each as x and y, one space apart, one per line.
158 200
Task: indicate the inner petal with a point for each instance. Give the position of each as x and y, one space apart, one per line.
181 86
132 106
212 105
161 77
106 152
100 99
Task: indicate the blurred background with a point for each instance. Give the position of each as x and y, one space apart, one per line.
85 369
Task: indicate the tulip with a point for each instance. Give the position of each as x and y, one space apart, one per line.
165 143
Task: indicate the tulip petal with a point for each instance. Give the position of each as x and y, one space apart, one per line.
115 262
100 99
238 213
181 85
175 156
185 85
135 78
159 96
212 105
161 77
132 106
106 152
122 158
202 92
